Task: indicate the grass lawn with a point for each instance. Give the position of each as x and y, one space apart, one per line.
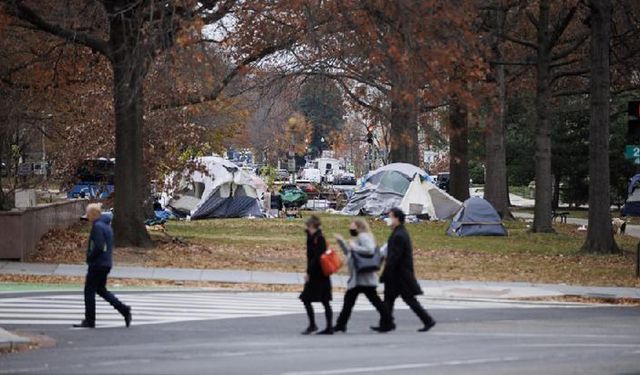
278 244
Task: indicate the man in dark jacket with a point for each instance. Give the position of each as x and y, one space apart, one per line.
99 260
398 276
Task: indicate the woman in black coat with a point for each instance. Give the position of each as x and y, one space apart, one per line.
317 287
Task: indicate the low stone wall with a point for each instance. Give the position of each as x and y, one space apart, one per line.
20 230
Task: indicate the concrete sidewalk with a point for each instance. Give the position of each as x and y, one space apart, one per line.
432 288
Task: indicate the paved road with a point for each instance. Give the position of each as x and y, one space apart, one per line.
251 333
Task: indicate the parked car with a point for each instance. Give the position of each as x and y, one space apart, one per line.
282 175
442 181
345 178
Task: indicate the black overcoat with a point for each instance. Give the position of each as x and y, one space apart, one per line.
318 288
398 275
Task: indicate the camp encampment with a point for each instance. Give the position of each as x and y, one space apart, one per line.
401 185
216 189
477 217
632 204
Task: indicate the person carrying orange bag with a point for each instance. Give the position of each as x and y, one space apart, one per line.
317 286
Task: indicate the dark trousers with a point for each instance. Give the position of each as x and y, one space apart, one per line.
350 300
328 313
390 297
96 282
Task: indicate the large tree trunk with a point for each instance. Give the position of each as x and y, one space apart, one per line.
128 75
458 151
404 125
599 235
542 211
496 190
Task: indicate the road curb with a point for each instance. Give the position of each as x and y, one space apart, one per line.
10 341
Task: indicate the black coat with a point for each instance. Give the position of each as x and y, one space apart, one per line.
318 288
398 275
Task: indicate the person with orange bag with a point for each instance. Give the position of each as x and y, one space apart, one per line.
317 286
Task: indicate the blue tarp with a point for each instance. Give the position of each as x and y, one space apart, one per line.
90 190
477 217
632 203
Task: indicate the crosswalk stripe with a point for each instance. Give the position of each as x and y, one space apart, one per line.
168 307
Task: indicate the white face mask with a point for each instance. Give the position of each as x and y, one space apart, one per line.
388 221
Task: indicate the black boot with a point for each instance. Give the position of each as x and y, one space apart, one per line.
127 316
340 328
85 324
311 329
326 331
384 328
428 326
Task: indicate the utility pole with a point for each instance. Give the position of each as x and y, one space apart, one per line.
351 146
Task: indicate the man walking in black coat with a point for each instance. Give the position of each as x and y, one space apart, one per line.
99 260
398 276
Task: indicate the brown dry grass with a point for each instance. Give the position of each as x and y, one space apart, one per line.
278 245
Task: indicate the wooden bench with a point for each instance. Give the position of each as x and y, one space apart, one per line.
560 215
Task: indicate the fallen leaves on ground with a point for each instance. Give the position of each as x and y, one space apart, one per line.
283 250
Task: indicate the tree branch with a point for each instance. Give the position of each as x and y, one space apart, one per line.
519 41
571 48
213 95
560 26
18 9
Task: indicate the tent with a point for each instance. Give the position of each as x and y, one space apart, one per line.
632 204
216 189
423 197
397 183
477 217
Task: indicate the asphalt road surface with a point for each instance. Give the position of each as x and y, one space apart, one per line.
257 333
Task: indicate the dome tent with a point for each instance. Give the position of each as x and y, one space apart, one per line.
477 217
400 185
218 189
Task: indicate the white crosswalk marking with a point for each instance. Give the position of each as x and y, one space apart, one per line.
168 307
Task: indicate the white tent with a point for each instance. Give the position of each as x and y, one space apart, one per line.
423 197
217 188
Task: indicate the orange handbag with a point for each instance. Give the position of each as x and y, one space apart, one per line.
330 262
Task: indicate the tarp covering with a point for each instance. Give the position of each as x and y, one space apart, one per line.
217 189
632 204
423 197
389 186
216 207
477 217
292 196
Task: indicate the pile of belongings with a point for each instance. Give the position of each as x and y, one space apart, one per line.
292 196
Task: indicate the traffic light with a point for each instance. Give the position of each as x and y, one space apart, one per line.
633 124
370 134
